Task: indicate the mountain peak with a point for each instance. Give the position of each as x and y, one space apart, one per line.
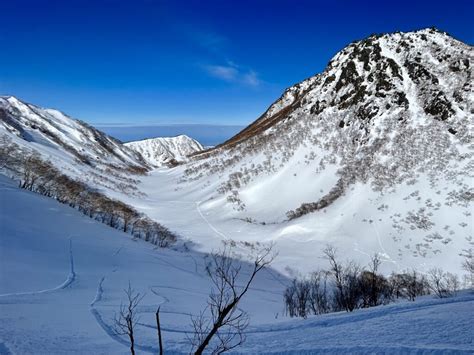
377 99
163 150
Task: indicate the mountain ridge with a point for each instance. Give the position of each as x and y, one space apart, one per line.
165 150
370 89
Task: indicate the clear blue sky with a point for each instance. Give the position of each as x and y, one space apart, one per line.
176 61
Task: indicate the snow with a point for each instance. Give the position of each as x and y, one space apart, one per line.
42 242
407 196
51 315
158 151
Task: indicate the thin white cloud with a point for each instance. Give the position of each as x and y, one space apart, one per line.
251 78
234 74
227 73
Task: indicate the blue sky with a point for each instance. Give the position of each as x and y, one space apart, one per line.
220 62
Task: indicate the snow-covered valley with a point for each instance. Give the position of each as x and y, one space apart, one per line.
63 277
373 156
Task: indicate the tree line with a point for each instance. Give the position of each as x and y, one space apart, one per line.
346 286
41 176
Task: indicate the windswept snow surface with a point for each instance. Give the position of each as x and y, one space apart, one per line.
43 243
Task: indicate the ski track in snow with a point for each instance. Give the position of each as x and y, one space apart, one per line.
198 207
100 291
112 334
69 280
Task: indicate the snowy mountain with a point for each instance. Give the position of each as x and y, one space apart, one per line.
159 151
75 148
374 153
52 129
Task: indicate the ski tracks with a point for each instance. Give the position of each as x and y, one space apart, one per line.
69 280
215 230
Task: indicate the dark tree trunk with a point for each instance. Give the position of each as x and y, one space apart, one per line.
160 340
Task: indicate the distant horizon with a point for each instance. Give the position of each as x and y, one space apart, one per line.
206 134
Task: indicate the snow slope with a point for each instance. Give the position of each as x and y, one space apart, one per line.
62 276
75 148
49 128
373 155
159 151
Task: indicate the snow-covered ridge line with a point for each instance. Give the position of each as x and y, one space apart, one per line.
75 148
52 128
162 150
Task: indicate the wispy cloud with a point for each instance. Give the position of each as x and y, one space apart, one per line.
233 73
223 69
251 78
226 73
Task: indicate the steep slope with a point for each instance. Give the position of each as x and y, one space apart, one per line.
385 109
52 128
375 153
159 151
73 146
57 264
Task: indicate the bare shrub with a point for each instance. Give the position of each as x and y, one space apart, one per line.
127 318
222 324
443 284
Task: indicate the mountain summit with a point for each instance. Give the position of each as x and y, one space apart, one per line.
373 153
385 110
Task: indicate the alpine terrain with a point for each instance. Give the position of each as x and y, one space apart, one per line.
373 153
369 162
171 150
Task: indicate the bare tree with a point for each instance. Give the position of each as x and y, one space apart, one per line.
319 300
452 283
436 277
127 318
374 287
346 279
289 297
443 284
223 322
415 285
468 265
303 293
